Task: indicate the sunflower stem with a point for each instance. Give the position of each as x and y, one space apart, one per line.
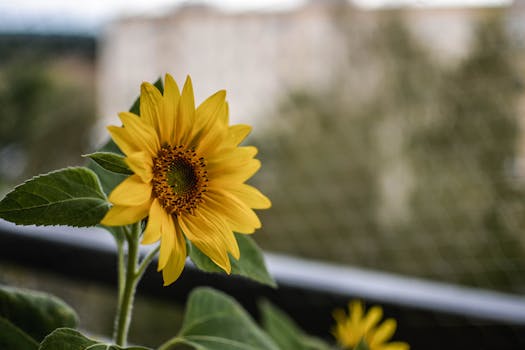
121 269
125 305
146 261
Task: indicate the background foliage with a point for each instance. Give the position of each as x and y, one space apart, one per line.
48 104
425 168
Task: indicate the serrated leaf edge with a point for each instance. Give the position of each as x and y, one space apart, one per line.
95 177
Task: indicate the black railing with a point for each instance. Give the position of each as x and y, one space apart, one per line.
430 315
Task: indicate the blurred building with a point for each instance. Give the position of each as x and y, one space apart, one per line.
254 56
259 56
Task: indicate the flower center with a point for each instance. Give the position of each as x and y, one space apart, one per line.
179 179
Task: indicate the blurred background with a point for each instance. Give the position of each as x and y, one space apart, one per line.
391 132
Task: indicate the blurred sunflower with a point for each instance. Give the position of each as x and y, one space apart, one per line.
189 174
360 331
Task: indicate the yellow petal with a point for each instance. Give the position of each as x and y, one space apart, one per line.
241 218
186 113
143 134
238 133
211 141
373 316
141 164
224 115
206 235
355 308
124 141
235 155
121 215
383 332
228 176
251 196
231 160
150 102
131 192
207 113
215 137
152 231
208 132
175 264
167 241
171 105
226 234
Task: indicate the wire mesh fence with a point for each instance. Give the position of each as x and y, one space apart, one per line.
421 177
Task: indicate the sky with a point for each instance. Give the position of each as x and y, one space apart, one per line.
91 16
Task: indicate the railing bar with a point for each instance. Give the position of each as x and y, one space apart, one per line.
331 279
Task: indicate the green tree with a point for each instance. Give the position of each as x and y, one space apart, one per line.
47 113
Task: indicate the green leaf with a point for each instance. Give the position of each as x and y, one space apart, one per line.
250 264
111 161
13 338
285 333
70 196
108 179
70 339
36 313
215 321
66 339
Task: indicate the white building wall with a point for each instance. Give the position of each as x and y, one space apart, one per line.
256 57
259 56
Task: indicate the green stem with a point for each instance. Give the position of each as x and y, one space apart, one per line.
121 268
146 261
125 305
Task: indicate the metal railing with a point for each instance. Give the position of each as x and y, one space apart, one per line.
430 315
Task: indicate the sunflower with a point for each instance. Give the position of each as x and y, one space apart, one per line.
352 330
189 176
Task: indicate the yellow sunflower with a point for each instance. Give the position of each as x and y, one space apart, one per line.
357 327
189 174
